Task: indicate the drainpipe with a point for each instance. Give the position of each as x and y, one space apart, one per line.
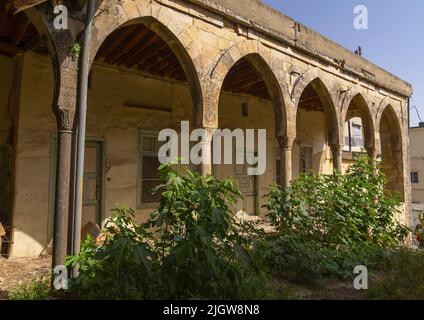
83 88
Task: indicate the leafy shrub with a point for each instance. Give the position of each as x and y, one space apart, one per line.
123 267
328 224
203 251
300 260
191 247
402 277
37 289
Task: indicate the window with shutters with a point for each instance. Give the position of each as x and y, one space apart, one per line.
305 158
148 168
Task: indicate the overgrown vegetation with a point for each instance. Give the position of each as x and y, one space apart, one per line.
191 247
400 277
37 289
328 224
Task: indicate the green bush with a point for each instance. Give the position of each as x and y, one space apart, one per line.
191 247
327 224
37 289
123 267
401 277
300 261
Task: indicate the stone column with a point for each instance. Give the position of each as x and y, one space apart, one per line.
371 151
65 120
374 149
286 146
65 111
206 166
337 151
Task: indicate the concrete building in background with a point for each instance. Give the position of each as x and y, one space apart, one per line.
417 163
217 63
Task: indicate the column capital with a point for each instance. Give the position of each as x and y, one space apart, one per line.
65 119
286 142
337 147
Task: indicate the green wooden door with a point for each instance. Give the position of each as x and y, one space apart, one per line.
92 191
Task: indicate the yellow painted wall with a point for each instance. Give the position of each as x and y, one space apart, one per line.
36 124
312 131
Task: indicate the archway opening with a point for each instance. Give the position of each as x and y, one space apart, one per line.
316 131
358 131
250 99
391 151
140 83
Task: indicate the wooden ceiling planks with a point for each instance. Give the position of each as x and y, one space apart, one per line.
16 31
134 46
243 78
137 47
310 100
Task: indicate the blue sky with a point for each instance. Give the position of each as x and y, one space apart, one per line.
394 39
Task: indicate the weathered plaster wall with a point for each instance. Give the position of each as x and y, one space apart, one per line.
260 116
108 119
312 131
7 70
36 124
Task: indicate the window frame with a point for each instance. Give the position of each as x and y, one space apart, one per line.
415 174
141 134
311 161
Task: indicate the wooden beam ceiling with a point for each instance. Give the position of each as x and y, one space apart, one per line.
137 47
134 47
243 78
310 100
17 32
21 5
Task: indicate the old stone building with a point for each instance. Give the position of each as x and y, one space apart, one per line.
154 63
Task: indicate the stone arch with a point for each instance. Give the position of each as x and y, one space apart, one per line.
386 102
159 19
391 146
328 99
356 95
58 57
313 92
350 94
259 57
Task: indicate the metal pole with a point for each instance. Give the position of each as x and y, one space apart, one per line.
83 88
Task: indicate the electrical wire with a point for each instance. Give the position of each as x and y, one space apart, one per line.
418 113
